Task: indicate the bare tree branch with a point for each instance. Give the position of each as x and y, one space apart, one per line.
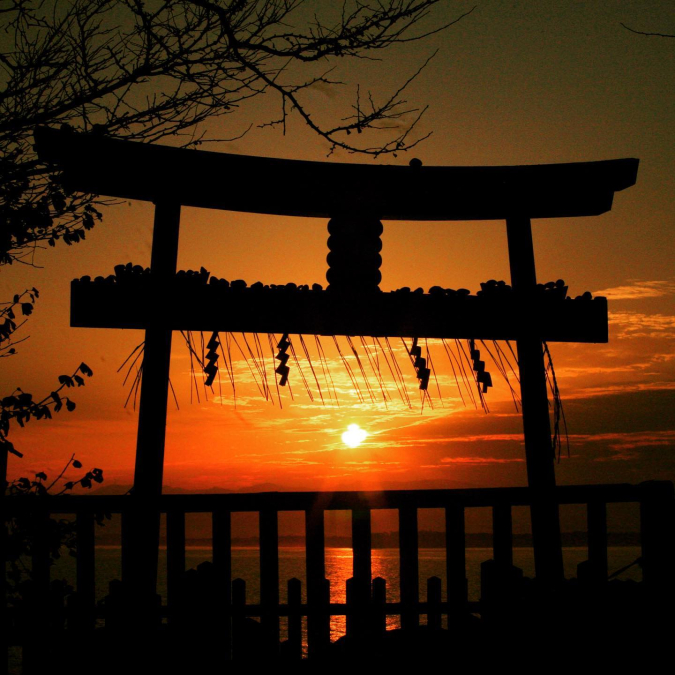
152 69
639 32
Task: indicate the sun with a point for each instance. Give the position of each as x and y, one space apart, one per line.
354 436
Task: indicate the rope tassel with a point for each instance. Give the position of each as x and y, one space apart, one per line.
282 369
483 377
420 364
211 368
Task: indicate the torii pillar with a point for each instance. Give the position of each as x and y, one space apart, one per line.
539 451
143 526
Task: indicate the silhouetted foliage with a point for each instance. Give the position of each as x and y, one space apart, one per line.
27 530
20 407
20 306
149 70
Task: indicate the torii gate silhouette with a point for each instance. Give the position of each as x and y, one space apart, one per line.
172 177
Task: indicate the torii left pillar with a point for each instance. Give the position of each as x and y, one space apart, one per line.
539 453
141 526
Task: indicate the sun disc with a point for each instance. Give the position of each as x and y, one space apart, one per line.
354 436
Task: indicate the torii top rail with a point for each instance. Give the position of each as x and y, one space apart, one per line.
172 177
218 180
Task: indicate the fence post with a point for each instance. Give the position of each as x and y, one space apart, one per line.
141 605
357 610
597 541
175 560
379 609
222 563
499 578
294 619
455 558
238 618
361 546
269 578
115 607
434 603
410 592
36 648
125 516
324 612
502 536
86 570
318 618
657 526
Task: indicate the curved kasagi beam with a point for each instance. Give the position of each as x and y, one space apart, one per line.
132 170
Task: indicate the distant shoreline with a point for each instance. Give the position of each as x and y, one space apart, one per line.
382 540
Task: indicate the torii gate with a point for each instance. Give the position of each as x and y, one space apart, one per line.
355 196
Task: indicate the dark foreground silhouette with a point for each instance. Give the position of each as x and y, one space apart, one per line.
610 625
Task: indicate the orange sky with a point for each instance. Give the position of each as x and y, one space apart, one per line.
528 83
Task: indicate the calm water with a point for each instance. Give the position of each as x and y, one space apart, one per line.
385 563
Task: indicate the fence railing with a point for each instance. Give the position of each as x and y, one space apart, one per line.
222 603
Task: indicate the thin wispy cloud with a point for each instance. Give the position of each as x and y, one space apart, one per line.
450 440
480 460
448 462
638 290
371 462
617 389
623 446
582 371
636 325
630 440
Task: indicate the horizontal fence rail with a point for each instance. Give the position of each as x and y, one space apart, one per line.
350 500
210 600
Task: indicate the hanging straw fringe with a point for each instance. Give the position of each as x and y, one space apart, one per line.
380 356
558 411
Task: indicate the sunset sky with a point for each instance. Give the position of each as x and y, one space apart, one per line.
512 83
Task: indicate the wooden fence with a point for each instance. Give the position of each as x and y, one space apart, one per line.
366 608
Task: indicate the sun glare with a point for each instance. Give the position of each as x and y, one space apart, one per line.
354 436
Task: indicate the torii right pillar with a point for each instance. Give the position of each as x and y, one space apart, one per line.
539 451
